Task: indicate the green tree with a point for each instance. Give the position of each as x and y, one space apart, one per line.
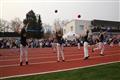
35 29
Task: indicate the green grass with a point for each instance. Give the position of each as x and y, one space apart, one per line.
102 72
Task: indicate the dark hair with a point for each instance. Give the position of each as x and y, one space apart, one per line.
87 31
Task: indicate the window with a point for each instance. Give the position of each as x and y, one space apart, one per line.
71 28
64 31
81 27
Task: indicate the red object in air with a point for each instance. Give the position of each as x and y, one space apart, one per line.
79 16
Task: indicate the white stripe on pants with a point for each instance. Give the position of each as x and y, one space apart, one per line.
101 47
60 51
85 49
78 45
111 44
23 52
119 43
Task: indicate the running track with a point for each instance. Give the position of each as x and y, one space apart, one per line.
44 60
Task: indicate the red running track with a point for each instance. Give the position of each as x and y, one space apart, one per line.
44 60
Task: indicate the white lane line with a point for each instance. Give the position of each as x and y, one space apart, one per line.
41 57
14 65
52 51
31 74
43 54
52 56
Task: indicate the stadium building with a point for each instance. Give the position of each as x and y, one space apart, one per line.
76 27
113 27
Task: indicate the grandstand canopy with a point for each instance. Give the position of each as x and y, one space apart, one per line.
105 23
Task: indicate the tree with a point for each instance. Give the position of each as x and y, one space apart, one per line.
58 26
35 29
4 26
0 25
16 24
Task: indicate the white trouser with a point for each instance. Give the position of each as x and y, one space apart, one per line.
86 49
101 47
111 44
23 52
60 52
119 43
78 45
54 46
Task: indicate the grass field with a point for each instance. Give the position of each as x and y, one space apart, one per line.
102 72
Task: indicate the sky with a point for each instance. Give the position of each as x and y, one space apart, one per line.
67 9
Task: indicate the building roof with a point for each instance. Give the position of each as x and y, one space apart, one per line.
74 20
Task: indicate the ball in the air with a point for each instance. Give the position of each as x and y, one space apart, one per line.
79 16
56 11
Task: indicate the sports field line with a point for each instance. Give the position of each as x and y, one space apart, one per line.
41 54
54 56
44 53
31 74
15 65
41 57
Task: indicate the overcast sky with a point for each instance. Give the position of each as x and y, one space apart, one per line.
67 9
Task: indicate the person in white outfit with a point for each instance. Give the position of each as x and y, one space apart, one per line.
54 45
100 44
86 54
78 43
119 42
60 43
23 45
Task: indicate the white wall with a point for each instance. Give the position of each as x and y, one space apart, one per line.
68 26
76 26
